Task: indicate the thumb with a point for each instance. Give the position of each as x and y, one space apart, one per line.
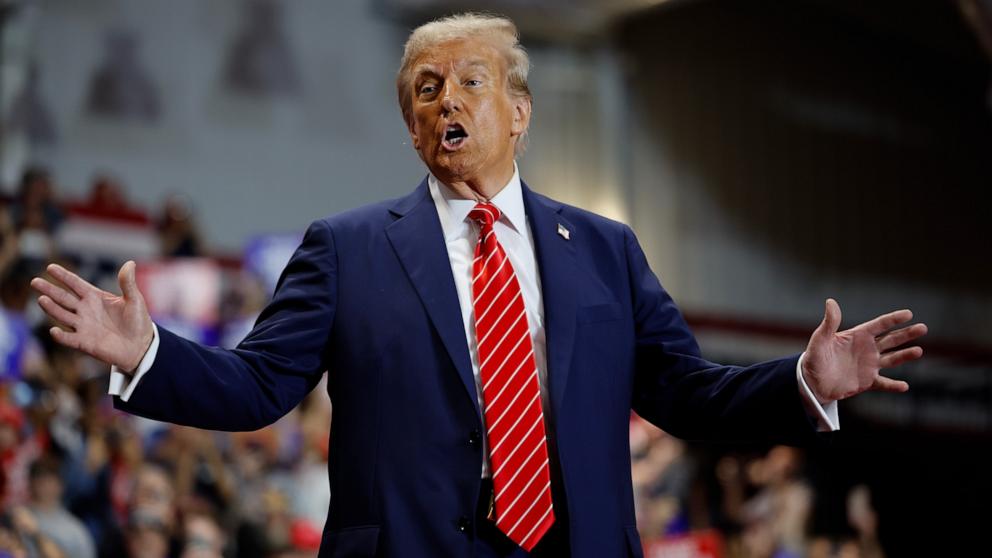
831 318
129 286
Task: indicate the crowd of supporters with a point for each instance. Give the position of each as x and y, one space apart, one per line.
81 479
711 500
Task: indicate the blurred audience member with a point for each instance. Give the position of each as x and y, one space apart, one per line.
201 480
311 495
107 195
202 537
22 442
9 240
54 521
151 514
20 537
178 230
662 477
20 354
146 535
864 520
11 459
153 498
242 302
35 215
108 200
781 509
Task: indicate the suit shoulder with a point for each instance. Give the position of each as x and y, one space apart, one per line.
365 218
378 211
584 218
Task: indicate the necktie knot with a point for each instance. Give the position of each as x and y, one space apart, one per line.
485 214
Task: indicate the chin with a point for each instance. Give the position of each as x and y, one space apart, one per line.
452 168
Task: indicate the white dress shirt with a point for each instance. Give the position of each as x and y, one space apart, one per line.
512 230
460 237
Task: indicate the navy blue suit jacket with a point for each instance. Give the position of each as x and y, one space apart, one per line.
369 297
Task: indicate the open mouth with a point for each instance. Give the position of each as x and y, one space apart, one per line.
454 137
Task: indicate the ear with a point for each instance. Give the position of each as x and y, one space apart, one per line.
411 127
521 115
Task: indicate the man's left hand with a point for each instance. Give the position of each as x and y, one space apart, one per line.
839 364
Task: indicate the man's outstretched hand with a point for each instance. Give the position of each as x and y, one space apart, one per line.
839 364
115 329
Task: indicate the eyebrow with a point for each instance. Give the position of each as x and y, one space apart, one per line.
431 69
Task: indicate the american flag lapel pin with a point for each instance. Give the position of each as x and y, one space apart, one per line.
563 231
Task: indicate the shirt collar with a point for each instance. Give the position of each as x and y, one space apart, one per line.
453 210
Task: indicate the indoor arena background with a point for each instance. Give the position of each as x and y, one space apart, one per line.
768 155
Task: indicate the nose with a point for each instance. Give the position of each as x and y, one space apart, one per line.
451 99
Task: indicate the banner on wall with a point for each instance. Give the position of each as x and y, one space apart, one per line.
183 295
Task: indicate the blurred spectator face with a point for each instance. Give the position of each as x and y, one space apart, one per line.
153 493
46 487
128 447
107 194
177 210
15 286
43 403
67 366
36 189
10 427
782 463
252 458
152 507
8 437
203 539
34 220
147 540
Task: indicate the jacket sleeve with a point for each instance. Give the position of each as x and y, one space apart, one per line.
269 373
689 397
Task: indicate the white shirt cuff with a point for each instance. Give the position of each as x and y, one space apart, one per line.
826 416
123 385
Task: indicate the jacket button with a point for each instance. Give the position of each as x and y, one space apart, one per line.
464 524
474 437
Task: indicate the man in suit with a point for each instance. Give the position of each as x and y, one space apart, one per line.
484 344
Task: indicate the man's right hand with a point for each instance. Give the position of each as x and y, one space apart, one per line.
115 329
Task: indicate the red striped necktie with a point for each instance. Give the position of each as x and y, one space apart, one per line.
518 448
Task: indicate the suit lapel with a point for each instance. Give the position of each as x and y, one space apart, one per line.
558 269
418 240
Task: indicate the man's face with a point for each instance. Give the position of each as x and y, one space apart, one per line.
47 489
464 121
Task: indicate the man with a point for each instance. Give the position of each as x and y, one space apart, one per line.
484 344
54 521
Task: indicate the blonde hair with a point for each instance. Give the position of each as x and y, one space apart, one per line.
500 30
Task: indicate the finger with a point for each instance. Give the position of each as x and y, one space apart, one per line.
57 312
76 283
831 318
900 336
886 322
895 358
126 279
62 296
63 337
888 384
